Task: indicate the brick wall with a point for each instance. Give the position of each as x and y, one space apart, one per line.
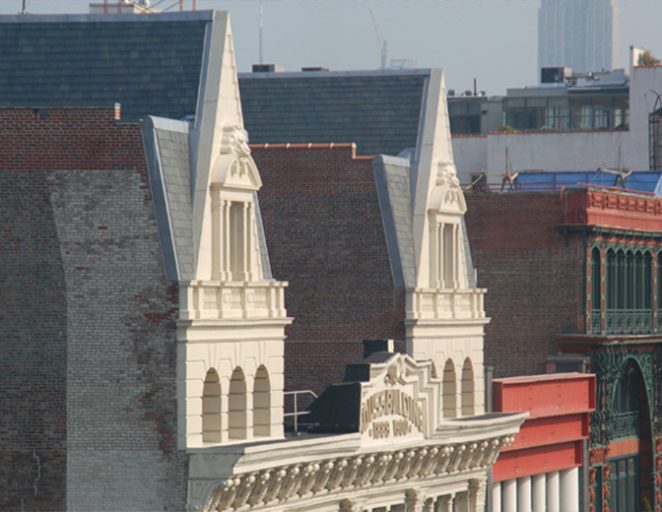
324 234
88 319
533 274
33 331
64 139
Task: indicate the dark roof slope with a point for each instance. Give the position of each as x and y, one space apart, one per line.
148 63
379 111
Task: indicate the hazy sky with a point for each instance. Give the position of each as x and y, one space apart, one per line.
492 40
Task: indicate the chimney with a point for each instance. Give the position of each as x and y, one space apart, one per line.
267 68
372 346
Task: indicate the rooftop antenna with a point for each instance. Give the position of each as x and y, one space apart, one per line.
23 9
261 42
380 40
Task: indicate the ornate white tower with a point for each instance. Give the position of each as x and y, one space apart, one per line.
444 316
230 327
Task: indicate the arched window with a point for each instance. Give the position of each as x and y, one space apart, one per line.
640 285
237 424
449 390
449 264
237 241
620 280
611 280
630 281
468 388
211 408
262 403
648 281
596 273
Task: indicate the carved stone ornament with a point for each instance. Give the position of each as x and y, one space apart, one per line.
350 506
343 474
235 140
234 165
447 175
447 195
395 374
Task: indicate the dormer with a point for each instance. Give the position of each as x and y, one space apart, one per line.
234 181
231 318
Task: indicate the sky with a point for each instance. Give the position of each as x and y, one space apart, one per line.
494 41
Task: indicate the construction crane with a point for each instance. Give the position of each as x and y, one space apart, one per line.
380 40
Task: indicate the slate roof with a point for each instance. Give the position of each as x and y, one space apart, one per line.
394 193
377 110
166 144
393 183
148 63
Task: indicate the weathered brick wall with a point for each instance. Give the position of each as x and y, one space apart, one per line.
64 139
92 327
533 274
121 388
33 334
324 234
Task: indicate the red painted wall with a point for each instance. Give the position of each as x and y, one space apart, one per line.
551 438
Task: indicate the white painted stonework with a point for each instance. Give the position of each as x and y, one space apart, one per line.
400 455
231 320
445 315
419 441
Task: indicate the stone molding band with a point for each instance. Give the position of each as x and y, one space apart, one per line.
282 483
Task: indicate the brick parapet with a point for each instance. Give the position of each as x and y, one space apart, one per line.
68 138
87 317
325 237
534 274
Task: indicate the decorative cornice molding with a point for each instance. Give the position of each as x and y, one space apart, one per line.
302 480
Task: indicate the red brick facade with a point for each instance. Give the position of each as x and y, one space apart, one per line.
66 139
533 273
325 236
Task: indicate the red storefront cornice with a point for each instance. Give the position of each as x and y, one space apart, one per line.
609 208
550 439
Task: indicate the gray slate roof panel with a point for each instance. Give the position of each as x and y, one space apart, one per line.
151 65
378 111
392 179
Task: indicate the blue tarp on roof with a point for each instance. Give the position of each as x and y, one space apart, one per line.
638 181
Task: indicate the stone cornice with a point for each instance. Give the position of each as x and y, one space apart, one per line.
335 475
612 209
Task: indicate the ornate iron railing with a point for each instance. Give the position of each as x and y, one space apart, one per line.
596 322
625 424
629 321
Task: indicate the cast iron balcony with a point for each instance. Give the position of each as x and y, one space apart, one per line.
624 321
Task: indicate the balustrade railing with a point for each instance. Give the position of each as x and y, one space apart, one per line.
596 322
625 321
454 304
625 424
629 321
218 300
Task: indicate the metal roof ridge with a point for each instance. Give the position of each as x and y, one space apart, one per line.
204 15
347 73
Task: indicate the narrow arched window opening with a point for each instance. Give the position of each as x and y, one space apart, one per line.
211 408
262 403
449 390
468 398
237 424
237 241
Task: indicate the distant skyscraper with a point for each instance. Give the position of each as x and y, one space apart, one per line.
579 34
